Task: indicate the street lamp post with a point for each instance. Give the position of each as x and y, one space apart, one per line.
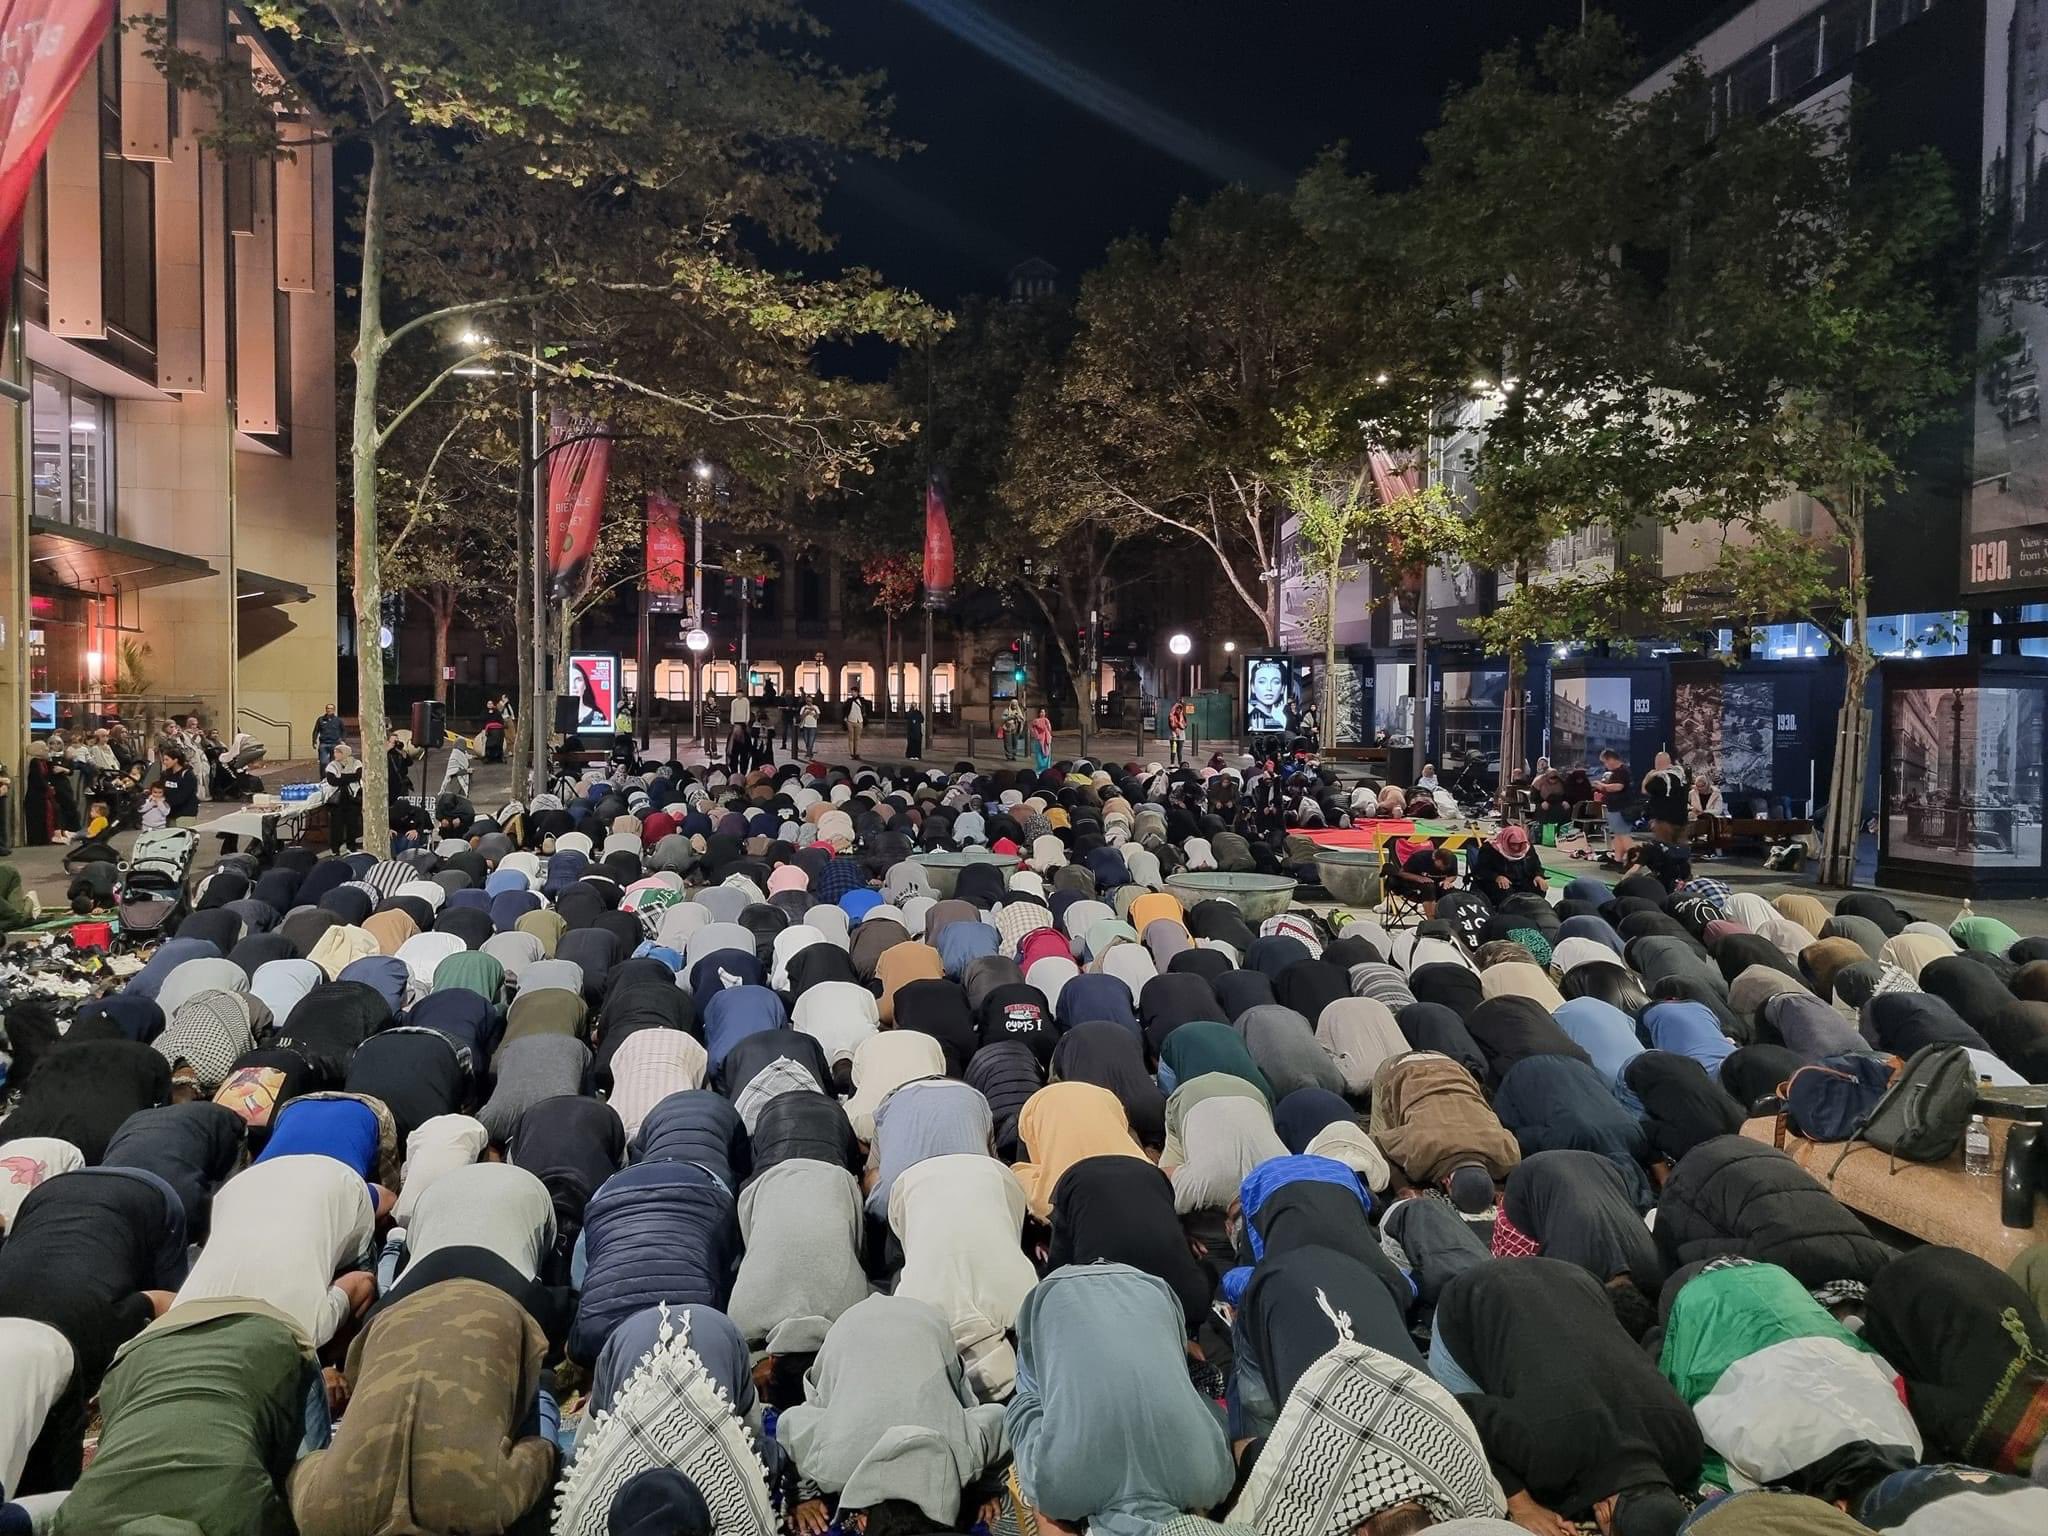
698 642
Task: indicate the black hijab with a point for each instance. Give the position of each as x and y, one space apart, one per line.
1433 1027
1238 992
1449 986
936 1007
1167 1002
1120 1210
1511 1029
1682 1106
1108 1055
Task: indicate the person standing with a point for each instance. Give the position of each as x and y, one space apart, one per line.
741 717
1013 730
1667 792
327 734
856 717
622 736
1612 789
494 731
344 778
1041 741
792 705
913 732
1177 730
807 724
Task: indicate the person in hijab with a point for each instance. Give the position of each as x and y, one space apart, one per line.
1505 864
933 1118
1106 1427
1973 1351
1575 1418
1579 1207
958 1219
800 1269
1202 1047
1225 1137
1681 1105
1061 1124
1120 1210
1109 1056
1369 1443
888 1419
441 1385
226 1385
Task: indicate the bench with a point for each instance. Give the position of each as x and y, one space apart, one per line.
1935 1202
1721 833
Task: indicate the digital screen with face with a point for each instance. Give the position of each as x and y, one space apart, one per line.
1269 689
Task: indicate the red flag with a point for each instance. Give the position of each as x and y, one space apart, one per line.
579 461
938 544
668 552
46 46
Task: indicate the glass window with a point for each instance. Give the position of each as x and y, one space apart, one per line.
127 235
35 227
71 431
1798 55
1845 28
1749 85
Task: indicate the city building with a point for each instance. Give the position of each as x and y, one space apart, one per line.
170 490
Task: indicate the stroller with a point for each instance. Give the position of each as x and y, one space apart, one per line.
153 894
228 776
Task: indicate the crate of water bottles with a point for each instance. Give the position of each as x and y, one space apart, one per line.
294 792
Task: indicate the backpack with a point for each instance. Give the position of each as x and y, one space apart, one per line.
1828 1099
1924 1113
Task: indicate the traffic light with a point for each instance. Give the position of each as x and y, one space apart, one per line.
1019 660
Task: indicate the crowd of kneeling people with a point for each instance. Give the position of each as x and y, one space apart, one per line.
679 1160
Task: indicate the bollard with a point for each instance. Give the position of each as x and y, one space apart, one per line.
969 753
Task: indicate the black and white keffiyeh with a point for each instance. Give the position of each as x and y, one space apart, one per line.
670 1413
1362 1433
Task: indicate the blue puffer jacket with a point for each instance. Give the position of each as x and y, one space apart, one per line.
663 1231
1559 1102
695 1126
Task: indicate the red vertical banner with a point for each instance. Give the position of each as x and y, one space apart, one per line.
46 46
579 463
938 543
668 552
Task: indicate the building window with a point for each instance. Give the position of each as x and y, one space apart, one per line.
35 227
71 452
127 225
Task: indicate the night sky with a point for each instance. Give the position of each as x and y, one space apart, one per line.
1053 126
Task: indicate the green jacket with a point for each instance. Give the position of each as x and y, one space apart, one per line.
200 1428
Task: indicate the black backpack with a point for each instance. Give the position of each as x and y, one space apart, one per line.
1924 1113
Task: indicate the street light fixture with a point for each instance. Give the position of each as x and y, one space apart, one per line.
702 468
1180 645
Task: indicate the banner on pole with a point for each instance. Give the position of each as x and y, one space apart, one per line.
579 463
46 46
668 551
938 543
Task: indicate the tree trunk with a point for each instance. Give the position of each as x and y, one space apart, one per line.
1328 733
369 581
441 605
522 603
1091 664
888 659
1421 673
1840 837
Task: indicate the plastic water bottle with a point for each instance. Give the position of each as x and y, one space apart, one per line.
1977 1148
